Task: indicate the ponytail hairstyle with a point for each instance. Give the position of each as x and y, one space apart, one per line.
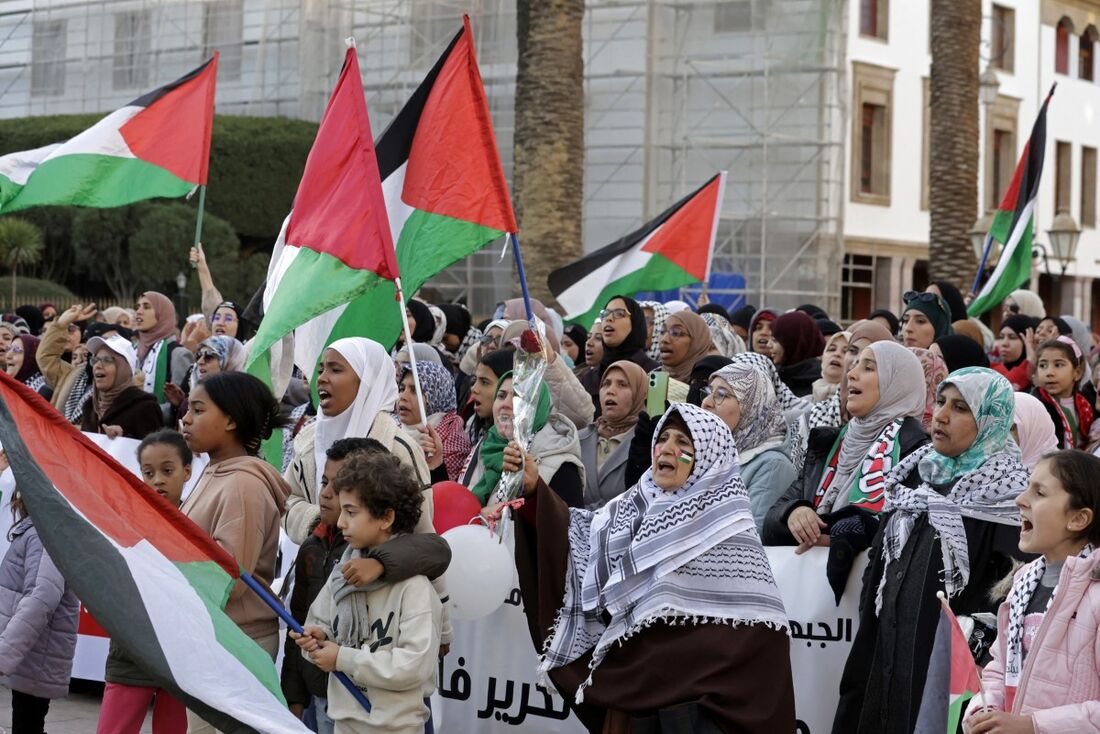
1076 471
249 403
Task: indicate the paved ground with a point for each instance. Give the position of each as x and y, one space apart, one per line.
76 714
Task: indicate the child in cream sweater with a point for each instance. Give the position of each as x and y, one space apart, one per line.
384 636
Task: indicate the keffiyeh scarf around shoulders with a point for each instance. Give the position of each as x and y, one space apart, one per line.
987 493
690 555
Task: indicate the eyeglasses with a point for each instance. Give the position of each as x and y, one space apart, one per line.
677 332
717 394
205 356
107 359
613 314
1013 308
15 350
223 318
489 341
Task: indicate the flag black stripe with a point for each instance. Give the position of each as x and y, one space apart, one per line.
150 97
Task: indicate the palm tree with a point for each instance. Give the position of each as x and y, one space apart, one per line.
20 244
953 167
548 169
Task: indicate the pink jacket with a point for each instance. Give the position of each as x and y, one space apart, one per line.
1060 681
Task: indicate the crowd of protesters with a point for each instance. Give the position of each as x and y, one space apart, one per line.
962 460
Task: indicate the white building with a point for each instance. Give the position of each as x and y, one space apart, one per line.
886 222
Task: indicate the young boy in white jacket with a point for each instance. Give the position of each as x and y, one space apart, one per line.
384 636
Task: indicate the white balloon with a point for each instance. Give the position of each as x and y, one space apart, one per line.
481 572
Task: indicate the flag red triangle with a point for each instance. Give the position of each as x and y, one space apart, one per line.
687 235
339 209
454 168
173 131
964 671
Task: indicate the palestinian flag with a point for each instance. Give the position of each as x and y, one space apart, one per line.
673 250
445 197
1014 223
952 678
152 578
158 145
336 244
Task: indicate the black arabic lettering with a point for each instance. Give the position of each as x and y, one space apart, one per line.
459 683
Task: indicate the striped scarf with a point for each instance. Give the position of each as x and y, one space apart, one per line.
691 555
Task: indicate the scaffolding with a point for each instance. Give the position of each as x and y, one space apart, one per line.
674 91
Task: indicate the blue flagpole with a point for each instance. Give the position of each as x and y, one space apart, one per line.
522 278
293 624
981 265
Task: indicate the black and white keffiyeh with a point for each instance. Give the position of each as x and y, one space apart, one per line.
987 493
691 554
79 393
1023 588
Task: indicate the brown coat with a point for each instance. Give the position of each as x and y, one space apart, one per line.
744 687
239 502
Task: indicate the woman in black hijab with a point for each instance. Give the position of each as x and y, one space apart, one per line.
421 323
951 296
623 327
960 351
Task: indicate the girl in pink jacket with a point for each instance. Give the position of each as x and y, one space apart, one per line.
1045 673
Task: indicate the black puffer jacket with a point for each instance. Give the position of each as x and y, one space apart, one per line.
800 377
801 493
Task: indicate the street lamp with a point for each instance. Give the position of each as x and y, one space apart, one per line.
1064 234
988 86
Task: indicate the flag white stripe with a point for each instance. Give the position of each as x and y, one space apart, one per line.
103 138
1009 250
577 298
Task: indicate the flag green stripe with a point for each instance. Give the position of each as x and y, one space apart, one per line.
955 710
88 179
314 283
213 586
659 274
1017 270
429 243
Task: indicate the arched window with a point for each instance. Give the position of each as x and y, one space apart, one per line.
1061 46
1086 54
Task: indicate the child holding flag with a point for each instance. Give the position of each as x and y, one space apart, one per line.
1045 673
385 636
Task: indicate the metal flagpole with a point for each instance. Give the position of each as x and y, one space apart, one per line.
292 623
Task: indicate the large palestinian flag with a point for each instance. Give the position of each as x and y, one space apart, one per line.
1014 223
673 250
445 195
952 678
151 577
158 145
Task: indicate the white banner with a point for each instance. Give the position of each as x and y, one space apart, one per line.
487 682
821 632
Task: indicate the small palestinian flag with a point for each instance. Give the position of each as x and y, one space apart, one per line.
151 577
1014 223
445 195
673 250
156 146
952 678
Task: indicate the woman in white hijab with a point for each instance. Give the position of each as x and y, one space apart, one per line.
357 394
1034 435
